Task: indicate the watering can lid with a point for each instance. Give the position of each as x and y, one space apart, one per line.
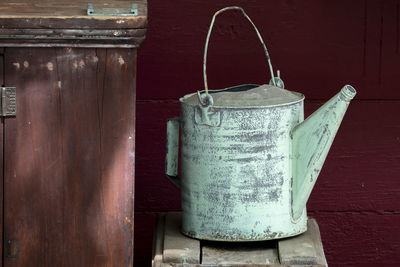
247 96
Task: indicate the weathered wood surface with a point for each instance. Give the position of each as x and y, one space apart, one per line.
66 24
239 253
68 14
72 37
84 42
69 170
304 249
177 247
77 32
376 233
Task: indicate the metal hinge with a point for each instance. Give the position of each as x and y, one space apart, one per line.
120 12
12 248
8 102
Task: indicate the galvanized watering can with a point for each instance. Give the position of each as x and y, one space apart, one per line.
249 160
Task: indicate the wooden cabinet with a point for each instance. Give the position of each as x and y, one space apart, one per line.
67 157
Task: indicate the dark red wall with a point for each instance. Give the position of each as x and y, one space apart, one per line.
319 46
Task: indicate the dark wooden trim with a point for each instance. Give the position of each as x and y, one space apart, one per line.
127 38
139 22
60 33
66 24
102 42
15 44
68 15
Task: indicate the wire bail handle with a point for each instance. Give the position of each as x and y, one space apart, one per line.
205 100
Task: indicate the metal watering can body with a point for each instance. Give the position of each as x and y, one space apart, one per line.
248 168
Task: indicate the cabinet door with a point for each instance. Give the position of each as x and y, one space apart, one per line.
69 157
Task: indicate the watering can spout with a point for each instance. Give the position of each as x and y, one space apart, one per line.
311 141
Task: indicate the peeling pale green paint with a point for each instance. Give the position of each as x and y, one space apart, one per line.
311 141
247 171
171 158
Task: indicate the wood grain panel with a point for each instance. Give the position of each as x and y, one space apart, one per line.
2 83
70 157
304 249
33 181
360 173
118 153
318 45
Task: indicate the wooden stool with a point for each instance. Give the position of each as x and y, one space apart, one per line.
171 248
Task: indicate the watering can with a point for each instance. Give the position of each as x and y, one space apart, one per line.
249 160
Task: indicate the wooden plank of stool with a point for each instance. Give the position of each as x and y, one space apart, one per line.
239 253
305 249
177 247
158 241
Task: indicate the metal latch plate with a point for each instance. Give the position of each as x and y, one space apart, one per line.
8 101
105 12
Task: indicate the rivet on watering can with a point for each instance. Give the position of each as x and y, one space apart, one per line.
278 81
205 100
